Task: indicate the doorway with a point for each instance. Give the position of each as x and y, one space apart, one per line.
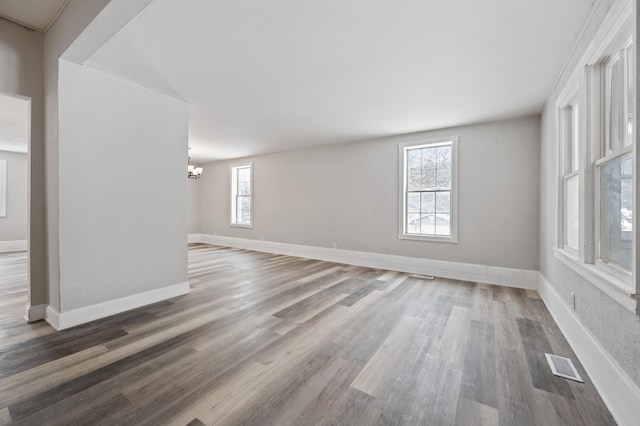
15 128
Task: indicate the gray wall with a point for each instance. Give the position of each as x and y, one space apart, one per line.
14 225
75 17
617 329
194 206
348 194
122 152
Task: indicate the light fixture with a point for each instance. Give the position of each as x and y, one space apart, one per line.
193 172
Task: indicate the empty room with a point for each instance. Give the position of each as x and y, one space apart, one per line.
319 212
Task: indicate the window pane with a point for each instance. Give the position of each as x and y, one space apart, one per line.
574 138
444 157
444 178
443 202
413 202
429 158
243 188
616 212
443 224
629 98
614 98
428 224
414 172
428 202
414 159
413 223
414 181
245 203
571 213
429 179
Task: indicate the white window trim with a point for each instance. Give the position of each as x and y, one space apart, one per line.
453 238
616 283
3 188
231 201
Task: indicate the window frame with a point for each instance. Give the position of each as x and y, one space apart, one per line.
233 195
403 148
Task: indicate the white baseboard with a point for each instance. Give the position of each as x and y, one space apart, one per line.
519 278
616 388
9 246
63 320
35 313
52 317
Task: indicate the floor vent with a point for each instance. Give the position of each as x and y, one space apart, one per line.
423 277
563 367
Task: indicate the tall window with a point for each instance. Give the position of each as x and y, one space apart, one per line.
570 174
615 165
428 190
241 195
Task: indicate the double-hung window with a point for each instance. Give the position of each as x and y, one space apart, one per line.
242 195
614 168
570 146
428 190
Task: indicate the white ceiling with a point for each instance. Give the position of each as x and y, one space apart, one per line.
14 124
263 76
34 14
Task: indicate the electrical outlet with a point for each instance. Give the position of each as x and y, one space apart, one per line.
335 245
573 301
215 232
262 237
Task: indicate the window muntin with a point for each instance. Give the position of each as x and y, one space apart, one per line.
428 186
241 195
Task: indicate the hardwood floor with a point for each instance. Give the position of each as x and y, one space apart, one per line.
266 339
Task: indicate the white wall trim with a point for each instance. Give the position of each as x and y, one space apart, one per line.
52 317
616 388
16 245
34 313
518 278
63 320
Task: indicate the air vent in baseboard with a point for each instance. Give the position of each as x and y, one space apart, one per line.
423 277
563 367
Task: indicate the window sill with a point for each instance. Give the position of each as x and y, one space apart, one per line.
619 290
452 240
239 225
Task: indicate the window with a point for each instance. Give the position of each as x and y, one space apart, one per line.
428 190
614 168
569 123
241 195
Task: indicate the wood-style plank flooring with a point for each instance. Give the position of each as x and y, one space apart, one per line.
266 339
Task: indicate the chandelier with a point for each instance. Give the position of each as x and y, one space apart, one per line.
193 172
